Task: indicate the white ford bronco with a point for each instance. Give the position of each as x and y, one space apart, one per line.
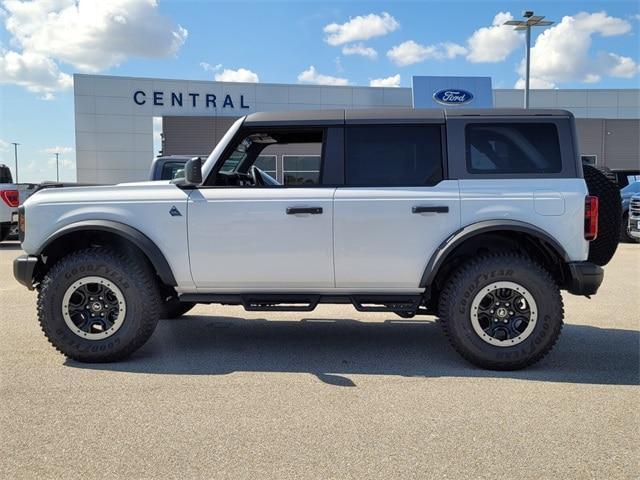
477 217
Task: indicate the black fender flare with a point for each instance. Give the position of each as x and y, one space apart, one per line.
465 233
139 239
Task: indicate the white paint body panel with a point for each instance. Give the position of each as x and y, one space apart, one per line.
554 205
6 212
144 206
242 238
380 243
366 239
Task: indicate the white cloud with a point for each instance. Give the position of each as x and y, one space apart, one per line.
359 49
210 68
33 71
561 53
62 162
393 81
90 35
58 149
239 75
66 158
310 75
535 82
48 96
4 146
495 43
410 52
362 27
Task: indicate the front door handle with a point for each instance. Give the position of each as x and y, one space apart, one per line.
299 210
430 209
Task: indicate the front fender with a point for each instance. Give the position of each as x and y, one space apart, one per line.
127 232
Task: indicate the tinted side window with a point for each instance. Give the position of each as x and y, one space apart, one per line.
5 174
503 148
399 155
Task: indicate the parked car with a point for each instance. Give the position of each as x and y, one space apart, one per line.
634 218
626 193
9 199
479 217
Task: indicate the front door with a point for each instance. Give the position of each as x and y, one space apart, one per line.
253 239
249 233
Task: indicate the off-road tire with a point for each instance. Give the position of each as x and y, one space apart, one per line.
137 284
464 284
174 308
601 249
4 232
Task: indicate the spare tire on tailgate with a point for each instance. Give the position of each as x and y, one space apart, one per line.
601 249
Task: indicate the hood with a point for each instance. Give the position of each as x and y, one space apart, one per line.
133 191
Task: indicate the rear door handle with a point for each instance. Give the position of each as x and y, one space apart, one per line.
309 210
430 209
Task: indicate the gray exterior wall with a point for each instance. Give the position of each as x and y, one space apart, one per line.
114 133
614 142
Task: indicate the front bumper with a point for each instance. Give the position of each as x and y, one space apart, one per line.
584 278
23 268
634 226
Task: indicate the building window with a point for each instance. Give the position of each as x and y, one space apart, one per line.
301 169
589 159
513 148
399 155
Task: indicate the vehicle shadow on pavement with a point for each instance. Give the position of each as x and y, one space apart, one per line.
332 349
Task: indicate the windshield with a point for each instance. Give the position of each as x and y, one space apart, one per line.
217 151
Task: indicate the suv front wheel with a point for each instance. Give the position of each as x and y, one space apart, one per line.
98 305
501 311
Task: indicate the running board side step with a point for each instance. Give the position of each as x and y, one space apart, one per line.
386 303
275 302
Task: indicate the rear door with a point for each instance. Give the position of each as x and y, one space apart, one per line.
396 207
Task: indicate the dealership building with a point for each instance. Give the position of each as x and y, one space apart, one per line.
115 117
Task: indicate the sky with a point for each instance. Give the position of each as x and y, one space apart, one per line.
593 44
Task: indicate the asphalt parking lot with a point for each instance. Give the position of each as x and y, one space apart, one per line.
223 393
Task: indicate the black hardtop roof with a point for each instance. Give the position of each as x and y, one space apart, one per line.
392 115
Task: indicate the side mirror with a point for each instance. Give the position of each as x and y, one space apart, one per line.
192 173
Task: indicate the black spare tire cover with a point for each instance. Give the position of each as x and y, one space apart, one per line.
601 249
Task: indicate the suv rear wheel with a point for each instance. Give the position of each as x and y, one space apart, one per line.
501 311
98 305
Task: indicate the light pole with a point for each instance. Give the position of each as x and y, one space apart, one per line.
57 168
531 21
15 152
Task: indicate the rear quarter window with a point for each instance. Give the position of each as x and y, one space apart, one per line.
512 148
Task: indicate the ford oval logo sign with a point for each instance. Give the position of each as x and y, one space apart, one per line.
450 96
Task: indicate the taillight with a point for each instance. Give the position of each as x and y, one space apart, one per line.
590 217
10 197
